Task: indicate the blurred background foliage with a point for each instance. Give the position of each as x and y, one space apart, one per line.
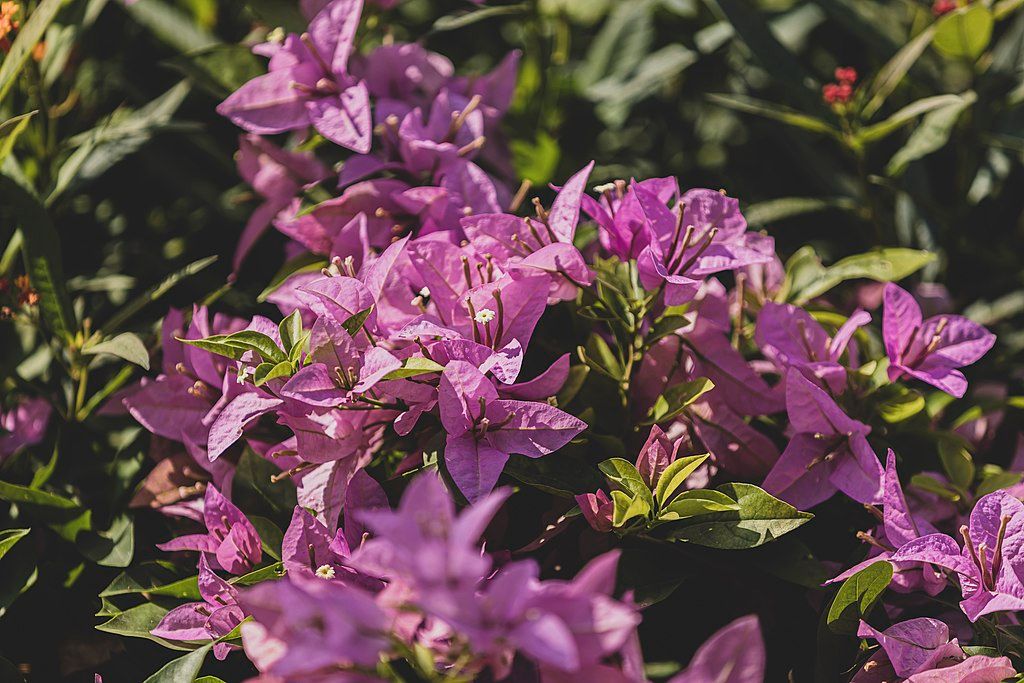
133 166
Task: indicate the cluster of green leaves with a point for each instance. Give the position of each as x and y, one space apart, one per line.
735 516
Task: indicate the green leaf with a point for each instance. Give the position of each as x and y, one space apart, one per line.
965 32
270 535
18 573
125 345
8 537
119 136
931 135
303 263
674 401
216 344
41 251
623 473
760 519
803 268
905 115
931 485
536 160
776 112
183 669
597 355
674 476
290 330
890 75
767 212
10 131
15 493
156 292
43 474
615 96
356 321
171 25
456 21
956 459
898 403
569 474
755 32
145 577
996 481
621 45
253 492
28 36
111 548
667 324
250 340
882 265
413 367
219 69
268 371
268 573
137 622
696 503
857 596
628 508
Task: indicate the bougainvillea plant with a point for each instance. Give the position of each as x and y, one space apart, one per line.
470 434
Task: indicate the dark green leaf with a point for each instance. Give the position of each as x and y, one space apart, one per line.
22 494
290 330
956 459
183 669
776 112
303 263
30 33
857 596
125 345
8 537
455 21
674 401
356 321
154 293
760 519
111 548
413 367
42 253
10 131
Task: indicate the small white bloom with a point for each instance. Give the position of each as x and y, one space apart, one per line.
484 316
244 374
425 292
601 189
325 571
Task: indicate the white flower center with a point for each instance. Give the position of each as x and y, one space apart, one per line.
425 292
325 571
484 316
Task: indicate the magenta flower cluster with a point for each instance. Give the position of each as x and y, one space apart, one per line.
409 337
